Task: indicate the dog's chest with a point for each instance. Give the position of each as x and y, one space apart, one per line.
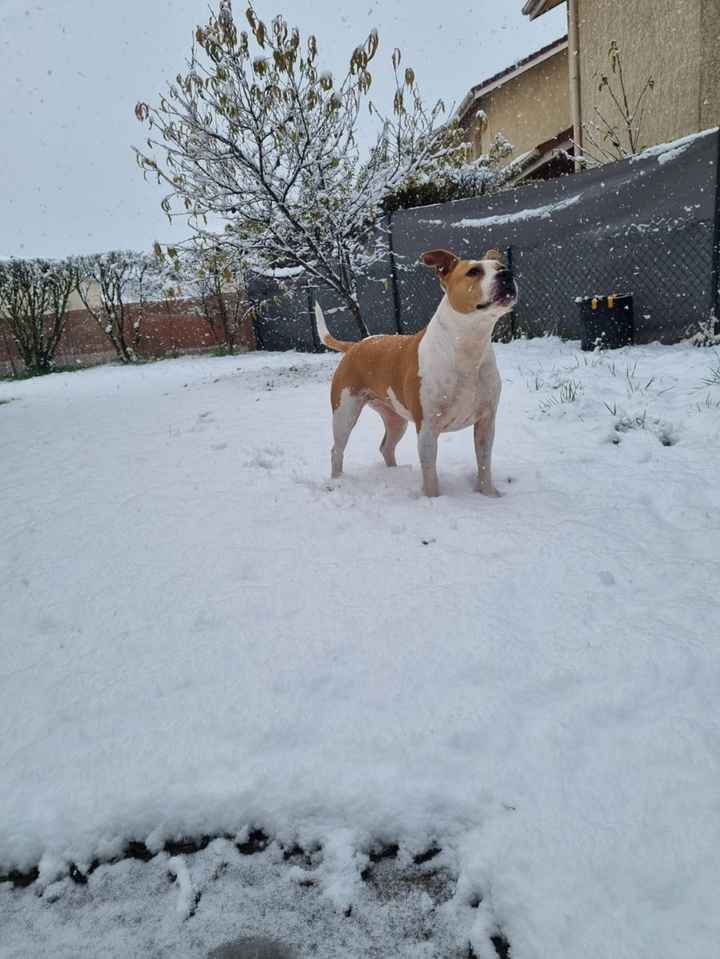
458 384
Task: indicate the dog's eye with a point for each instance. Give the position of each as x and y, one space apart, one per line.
475 271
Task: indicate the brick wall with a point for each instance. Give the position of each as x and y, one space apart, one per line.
167 328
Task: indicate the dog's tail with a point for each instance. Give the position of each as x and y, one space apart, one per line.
342 346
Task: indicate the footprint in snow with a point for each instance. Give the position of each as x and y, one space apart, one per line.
267 458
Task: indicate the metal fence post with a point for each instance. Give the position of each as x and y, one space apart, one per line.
317 345
715 276
509 261
393 275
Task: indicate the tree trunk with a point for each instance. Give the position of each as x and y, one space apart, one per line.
227 332
357 316
29 345
123 320
8 351
121 346
44 364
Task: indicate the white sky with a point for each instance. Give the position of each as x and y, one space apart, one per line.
71 72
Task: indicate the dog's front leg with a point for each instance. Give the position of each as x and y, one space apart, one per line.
427 451
484 434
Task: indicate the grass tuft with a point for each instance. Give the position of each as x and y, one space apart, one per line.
566 392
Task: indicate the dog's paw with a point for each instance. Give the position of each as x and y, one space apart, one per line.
492 492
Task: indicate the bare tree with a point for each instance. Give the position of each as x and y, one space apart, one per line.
617 131
114 288
34 296
255 134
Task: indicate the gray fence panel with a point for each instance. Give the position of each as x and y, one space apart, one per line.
668 273
377 298
282 320
375 293
643 226
338 317
284 315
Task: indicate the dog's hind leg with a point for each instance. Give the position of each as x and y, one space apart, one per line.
345 416
395 427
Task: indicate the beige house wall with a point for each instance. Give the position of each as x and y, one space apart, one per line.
528 109
710 73
677 42
92 291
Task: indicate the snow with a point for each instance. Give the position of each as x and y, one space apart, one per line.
279 272
178 868
202 634
533 213
665 152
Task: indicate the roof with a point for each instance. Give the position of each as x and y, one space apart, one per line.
536 8
531 161
510 73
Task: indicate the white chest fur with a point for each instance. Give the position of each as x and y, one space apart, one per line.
459 381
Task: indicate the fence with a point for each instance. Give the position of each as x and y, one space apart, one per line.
649 226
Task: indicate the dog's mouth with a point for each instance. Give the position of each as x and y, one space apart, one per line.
502 297
506 299
505 291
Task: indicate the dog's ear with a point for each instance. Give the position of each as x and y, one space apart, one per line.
494 255
442 261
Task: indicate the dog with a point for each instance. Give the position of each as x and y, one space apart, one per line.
442 379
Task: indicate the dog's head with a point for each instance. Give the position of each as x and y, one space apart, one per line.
485 286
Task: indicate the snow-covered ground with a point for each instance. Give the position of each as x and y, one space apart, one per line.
201 634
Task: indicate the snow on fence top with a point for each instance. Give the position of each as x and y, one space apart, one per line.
664 152
539 212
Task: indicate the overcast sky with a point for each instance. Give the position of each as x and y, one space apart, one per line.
71 72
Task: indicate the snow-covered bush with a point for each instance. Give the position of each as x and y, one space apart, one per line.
706 333
34 296
114 288
453 177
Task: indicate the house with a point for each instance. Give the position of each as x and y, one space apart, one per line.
529 104
676 42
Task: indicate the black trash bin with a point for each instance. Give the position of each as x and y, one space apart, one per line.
606 322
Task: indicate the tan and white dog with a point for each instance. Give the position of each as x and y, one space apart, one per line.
442 379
